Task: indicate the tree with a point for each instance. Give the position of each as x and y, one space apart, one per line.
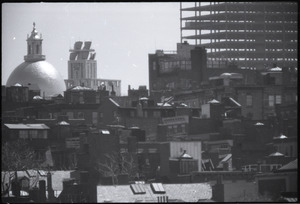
115 164
16 156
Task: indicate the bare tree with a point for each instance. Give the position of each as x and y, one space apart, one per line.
16 156
129 165
115 164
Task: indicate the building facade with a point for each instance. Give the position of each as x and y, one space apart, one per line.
252 34
180 70
82 70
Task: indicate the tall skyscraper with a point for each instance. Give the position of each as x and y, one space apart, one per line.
82 70
252 34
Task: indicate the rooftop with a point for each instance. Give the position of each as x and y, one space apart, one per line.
293 165
27 126
191 192
34 176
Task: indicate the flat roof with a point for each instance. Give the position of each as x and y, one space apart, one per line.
27 126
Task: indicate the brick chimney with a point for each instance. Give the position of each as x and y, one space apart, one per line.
50 189
218 190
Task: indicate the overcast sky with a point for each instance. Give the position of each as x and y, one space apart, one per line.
122 34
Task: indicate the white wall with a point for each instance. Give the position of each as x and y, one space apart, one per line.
192 148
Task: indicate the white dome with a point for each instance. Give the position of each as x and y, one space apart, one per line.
41 73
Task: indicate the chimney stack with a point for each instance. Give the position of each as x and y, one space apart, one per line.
42 191
50 190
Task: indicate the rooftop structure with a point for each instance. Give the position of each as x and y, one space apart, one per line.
252 34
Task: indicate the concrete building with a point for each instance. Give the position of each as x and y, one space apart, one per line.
82 70
252 34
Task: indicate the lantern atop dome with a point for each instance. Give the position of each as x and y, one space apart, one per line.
34 47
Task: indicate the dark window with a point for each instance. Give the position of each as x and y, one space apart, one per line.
29 49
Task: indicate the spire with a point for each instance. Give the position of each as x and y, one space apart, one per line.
34 33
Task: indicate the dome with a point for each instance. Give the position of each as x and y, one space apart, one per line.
41 73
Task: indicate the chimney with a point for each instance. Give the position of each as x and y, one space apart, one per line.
218 190
50 190
112 93
42 191
84 177
15 187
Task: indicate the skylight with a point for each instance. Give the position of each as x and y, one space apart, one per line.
157 188
137 188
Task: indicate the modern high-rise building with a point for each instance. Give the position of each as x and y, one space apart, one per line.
254 35
82 70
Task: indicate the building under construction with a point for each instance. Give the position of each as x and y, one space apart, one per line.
254 35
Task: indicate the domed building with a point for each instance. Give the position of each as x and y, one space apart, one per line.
36 71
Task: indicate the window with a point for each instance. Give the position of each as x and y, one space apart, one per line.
170 130
42 134
23 134
249 100
156 114
80 115
70 115
81 98
188 65
286 151
95 117
33 134
146 114
131 113
101 115
183 128
175 128
278 99
179 128
271 100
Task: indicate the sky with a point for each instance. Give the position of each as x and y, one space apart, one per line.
122 34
